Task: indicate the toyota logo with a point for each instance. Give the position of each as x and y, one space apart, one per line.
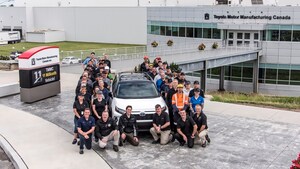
142 114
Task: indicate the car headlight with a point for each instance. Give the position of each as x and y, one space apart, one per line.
119 110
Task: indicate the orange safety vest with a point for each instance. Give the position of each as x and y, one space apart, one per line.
180 99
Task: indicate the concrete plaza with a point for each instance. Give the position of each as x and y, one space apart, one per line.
243 137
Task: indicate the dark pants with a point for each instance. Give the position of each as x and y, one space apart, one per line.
190 141
173 128
86 142
129 138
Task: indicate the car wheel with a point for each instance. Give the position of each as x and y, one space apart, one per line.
71 62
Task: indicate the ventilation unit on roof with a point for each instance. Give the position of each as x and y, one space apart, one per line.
257 2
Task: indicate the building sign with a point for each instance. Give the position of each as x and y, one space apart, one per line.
44 75
266 17
39 66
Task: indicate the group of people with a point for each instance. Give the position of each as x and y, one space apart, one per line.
185 121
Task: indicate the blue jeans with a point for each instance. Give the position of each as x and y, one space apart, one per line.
86 142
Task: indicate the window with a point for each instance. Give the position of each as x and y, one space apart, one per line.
175 31
283 76
198 32
168 30
296 36
236 73
285 35
256 37
295 75
230 35
247 43
230 42
271 73
239 42
182 31
155 30
240 36
247 35
274 35
207 33
264 35
261 75
190 32
162 30
216 34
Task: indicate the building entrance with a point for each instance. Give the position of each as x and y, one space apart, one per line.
243 38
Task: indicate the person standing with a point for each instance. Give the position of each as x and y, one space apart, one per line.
99 105
196 100
78 109
86 126
179 102
128 128
170 94
106 130
196 86
202 129
161 126
186 130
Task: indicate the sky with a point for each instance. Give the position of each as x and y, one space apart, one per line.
132 2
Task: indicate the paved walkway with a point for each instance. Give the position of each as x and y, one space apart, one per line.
242 137
42 144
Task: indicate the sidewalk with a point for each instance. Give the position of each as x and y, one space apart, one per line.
259 113
43 145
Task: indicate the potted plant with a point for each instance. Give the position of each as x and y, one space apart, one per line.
154 44
215 45
201 46
296 163
170 42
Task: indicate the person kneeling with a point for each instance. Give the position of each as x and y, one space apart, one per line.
86 126
161 125
106 130
186 130
202 128
128 128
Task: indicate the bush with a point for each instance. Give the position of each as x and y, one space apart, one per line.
154 44
4 58
201 46
174 67
215 45
170 43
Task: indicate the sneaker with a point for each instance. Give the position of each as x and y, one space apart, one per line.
116 148
181 144
78 143
74 141
204 144
207 138
156 142
81 151
96 140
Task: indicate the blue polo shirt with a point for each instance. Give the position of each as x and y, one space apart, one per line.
195 101
86 125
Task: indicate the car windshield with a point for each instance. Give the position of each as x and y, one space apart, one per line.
137 90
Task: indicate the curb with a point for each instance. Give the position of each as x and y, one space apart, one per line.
9 89
12 154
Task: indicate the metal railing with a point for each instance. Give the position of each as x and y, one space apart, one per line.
82 54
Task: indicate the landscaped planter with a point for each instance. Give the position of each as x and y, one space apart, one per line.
9 65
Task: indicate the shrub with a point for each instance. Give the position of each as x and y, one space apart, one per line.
174 67
154 44
296 163
170 43
4 57
215 45
201 46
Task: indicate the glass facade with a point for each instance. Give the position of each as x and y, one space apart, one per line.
182 29
268 73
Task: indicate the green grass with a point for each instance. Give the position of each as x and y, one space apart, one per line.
64 46
290 103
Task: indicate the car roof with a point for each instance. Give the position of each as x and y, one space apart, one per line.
130 76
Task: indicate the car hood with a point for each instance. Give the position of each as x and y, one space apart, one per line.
140 104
